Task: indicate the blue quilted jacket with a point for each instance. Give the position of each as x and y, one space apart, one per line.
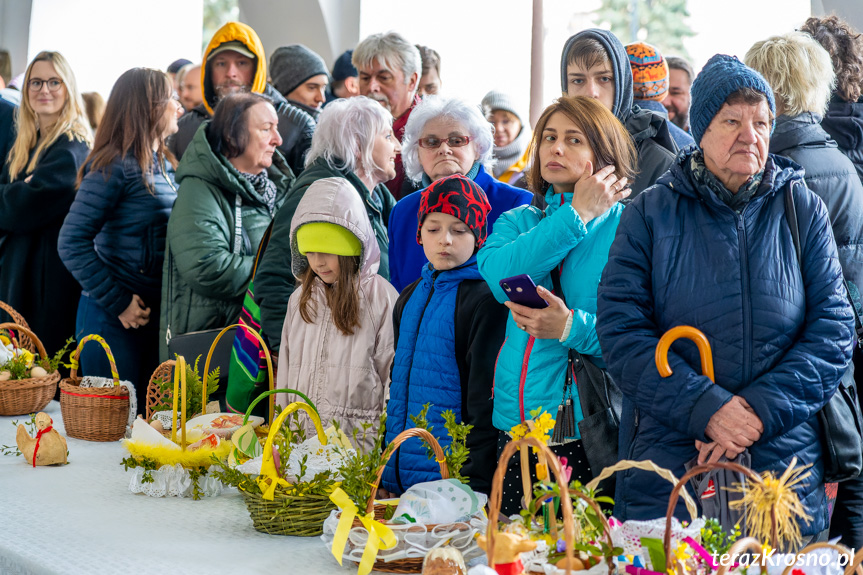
530 372
425 370
781 335
113 239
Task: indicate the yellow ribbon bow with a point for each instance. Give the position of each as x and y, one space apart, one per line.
380 536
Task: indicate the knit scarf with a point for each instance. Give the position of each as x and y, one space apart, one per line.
704 177
265 188
507 155
471 175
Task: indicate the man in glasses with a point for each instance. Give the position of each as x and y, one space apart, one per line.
234 61
389 71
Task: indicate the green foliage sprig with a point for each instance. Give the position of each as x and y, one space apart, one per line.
31 429
18 368
359 469
715 539
456 453
50 364
291 434
194 389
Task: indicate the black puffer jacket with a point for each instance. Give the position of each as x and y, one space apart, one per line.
649 130
832 176
296 128
844 122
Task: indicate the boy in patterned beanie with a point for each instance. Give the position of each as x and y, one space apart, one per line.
448 330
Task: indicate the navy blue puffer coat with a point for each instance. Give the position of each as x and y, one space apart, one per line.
113 239
781 336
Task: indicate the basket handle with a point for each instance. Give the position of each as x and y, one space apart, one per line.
399 439
272 392
77 354
855 564
269 474
213 349
841 549
30 334
688 332
645 466
496 496
179 382
675 493
741 546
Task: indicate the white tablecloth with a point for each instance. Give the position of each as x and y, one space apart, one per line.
81 518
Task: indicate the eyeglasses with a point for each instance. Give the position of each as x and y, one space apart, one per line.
53 84
432 143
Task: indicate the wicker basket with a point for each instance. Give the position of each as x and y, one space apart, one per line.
297 515
411 564
569 531
94 413
24 340
25 396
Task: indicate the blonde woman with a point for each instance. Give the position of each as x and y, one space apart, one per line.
37 187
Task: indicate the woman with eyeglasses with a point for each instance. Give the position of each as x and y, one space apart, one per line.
37 187
443 137
113 240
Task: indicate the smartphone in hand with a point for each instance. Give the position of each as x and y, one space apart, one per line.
520 289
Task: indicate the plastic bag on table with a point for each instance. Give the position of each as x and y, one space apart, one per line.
434 502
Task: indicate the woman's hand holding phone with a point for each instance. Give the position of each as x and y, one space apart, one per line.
545 323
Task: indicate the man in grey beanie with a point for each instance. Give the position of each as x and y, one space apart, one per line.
301 76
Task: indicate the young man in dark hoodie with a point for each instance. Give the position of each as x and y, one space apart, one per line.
594 64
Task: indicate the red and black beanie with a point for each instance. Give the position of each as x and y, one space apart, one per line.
459 197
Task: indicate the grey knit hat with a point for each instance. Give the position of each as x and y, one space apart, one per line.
292 65
496 100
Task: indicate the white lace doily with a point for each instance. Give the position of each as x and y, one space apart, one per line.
414 540
319 458
629 534
172 481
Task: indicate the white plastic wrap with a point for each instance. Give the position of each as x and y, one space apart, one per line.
172 481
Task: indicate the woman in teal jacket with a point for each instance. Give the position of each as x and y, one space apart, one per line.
583 159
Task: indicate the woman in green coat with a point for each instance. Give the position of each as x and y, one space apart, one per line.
232 182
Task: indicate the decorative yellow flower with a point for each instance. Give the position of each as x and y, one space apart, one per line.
544 422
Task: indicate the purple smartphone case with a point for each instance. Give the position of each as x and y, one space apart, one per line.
520 289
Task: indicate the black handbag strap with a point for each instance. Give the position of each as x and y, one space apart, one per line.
791 217
573 355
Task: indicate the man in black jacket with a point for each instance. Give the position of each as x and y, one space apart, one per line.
234 61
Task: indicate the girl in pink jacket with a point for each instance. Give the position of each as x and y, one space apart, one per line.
337 339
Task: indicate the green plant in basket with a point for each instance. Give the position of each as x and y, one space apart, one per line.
715 539
194 389
359 469
456 453
285 440
24 365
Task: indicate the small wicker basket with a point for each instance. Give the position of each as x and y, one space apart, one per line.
94 413
25 396
494 502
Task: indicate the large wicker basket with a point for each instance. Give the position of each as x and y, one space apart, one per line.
25 396
94 413
286 514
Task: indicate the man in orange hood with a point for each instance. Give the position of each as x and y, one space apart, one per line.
234 61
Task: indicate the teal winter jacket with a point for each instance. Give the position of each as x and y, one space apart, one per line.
530 372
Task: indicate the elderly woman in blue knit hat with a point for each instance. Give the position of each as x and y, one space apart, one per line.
712 246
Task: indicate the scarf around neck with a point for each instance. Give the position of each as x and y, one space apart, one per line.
704 177
265 188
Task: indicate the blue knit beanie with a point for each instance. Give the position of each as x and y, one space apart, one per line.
720 77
